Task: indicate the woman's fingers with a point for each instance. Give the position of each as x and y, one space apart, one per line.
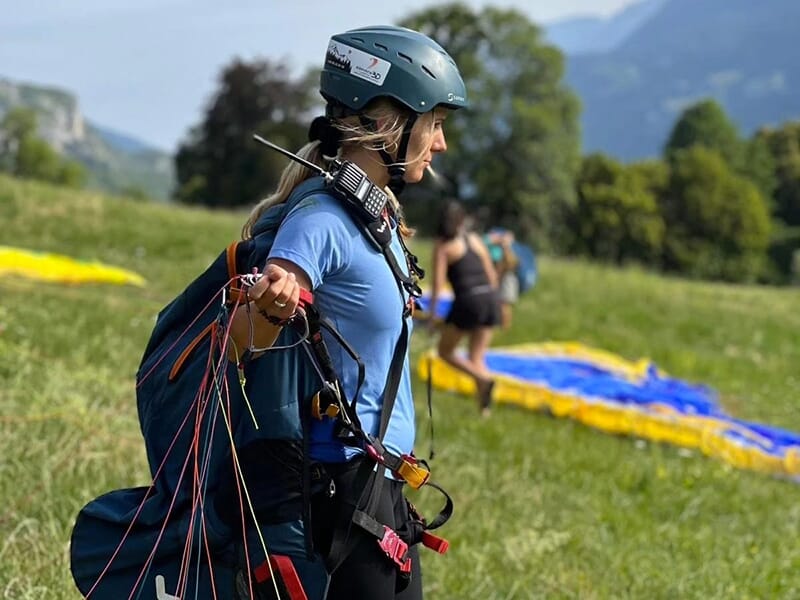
277 292
283 290
270 284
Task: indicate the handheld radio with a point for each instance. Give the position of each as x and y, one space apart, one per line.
350 183
348 179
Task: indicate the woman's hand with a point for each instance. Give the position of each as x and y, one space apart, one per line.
275 296
277 293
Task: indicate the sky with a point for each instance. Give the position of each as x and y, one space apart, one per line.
147 68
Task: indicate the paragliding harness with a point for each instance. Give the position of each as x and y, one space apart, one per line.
158 535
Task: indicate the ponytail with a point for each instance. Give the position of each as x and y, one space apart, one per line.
293 175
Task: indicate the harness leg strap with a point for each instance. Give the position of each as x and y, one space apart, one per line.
287 580
388 540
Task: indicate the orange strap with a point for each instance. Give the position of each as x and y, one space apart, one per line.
178 365
231 255
235 294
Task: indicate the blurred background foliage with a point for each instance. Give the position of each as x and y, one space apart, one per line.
716 205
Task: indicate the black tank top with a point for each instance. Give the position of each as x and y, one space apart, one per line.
467 275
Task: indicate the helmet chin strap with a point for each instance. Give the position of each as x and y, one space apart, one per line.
395 166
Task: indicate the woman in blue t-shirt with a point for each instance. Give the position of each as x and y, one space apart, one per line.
388 92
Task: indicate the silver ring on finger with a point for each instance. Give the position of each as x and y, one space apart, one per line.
279 304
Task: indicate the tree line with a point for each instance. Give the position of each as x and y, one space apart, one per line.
715 205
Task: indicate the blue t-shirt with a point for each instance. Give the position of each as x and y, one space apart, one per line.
353 287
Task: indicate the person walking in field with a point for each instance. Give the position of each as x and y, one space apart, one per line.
461 258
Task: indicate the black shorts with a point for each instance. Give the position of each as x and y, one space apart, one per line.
475 310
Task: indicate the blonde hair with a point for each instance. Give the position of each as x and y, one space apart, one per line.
387 128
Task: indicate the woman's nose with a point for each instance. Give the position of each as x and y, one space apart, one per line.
438 144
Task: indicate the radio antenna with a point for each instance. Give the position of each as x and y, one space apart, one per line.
307 164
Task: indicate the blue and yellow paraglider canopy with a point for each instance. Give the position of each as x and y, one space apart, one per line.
615 395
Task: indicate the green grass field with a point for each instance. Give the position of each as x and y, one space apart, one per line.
545 508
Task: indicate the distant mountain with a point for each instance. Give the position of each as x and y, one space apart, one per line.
122 141
742 53
595 34
114 161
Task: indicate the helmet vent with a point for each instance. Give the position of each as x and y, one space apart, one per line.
448 58
357 39
428 71
405 57
381 47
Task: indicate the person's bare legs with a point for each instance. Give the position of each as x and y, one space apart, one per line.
448 343
479 341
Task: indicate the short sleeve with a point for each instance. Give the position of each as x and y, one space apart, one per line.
316 236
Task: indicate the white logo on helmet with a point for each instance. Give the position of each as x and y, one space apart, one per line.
451 97
357 62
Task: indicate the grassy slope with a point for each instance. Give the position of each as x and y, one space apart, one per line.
545 508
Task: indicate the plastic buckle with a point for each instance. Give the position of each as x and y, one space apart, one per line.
435 543
412 472
396 549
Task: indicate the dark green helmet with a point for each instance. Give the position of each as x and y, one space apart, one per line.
385 61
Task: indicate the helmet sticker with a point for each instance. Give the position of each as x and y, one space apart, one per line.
357 62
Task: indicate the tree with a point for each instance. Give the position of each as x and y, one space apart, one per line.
17 125
718 223
24 154
706 124
617 216
759 166
784 146
516 149
654 174
219 164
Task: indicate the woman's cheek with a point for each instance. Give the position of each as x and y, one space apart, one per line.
414 173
